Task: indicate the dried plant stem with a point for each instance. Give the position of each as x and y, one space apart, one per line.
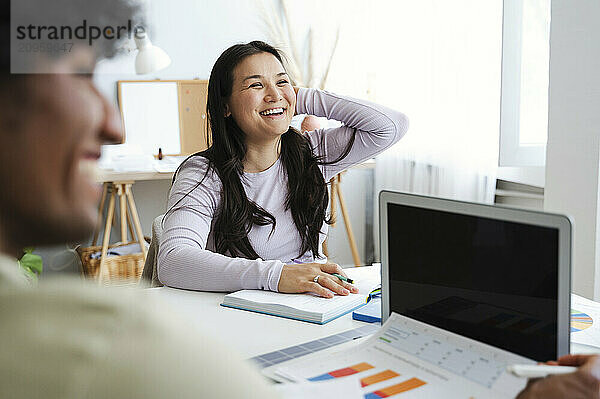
280 30
326 74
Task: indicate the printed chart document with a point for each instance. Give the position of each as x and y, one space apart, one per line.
411 359
308 307
585 321
322 390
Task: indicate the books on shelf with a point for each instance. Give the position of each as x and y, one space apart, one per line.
308 307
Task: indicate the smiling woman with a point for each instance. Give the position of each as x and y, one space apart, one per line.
251 211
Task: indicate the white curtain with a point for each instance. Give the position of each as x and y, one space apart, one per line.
443 71
439 62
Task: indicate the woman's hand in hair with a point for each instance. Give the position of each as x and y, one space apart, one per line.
300 278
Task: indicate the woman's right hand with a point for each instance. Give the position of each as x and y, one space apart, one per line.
300 278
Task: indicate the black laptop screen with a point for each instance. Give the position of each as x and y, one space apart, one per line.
489 280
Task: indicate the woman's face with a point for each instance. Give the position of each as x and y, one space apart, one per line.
262 99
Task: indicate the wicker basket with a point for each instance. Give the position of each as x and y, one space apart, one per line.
119 270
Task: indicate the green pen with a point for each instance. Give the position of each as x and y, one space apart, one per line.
343 278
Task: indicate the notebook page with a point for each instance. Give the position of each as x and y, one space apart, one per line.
304 302
366 278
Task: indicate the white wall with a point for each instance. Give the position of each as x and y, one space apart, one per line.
193 33
572 157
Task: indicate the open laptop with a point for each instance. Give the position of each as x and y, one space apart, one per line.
497 275
468 291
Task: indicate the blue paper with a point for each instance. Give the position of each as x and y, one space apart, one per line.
371 312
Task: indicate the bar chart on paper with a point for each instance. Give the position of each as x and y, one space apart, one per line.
396 389
343 372
402 360
376 382
381 376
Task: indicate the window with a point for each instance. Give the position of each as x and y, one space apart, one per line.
525 73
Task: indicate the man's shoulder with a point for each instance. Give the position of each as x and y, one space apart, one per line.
70 303
62 336
72 339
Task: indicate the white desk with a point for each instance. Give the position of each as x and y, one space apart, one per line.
248 333
252 334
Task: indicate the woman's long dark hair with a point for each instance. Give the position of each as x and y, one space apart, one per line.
307 196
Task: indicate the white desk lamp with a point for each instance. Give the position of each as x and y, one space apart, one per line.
149 58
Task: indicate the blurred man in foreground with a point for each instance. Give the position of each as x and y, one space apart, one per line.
67 339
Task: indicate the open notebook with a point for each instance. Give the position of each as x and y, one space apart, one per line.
308 307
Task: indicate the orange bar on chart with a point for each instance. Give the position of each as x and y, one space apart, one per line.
357 368
361 367
375 378
399 388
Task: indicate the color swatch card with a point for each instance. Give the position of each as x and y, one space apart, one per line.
585 321
409 359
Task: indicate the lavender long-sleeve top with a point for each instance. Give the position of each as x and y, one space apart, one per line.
187 257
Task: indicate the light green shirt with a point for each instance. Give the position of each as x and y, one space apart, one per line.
68 339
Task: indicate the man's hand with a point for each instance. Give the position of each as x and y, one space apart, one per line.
584 383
